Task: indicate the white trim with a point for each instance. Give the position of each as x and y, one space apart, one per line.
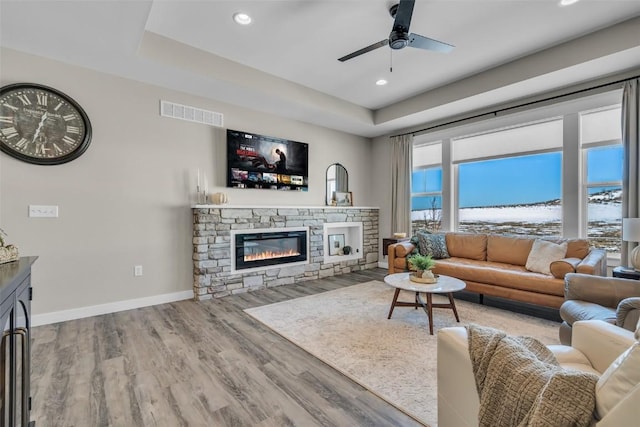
112 307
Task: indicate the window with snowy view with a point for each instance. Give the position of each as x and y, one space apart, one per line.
549 171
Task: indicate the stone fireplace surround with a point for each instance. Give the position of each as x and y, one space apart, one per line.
212 225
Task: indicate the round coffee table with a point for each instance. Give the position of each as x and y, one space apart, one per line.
445 285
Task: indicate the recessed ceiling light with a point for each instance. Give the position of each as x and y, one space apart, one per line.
568 2
242 18
381 82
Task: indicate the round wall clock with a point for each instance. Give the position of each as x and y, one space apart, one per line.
41 125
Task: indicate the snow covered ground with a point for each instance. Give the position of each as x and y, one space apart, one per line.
535 220
602 212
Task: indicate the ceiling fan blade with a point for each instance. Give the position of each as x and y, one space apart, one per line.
422 42
364 50
403 16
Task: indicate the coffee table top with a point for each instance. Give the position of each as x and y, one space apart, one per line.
444 285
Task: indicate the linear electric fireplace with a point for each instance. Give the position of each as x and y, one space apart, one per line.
269 247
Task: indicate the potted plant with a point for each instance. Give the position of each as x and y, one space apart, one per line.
422 265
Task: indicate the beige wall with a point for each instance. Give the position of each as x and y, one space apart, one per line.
126 200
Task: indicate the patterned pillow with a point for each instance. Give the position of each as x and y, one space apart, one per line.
433 244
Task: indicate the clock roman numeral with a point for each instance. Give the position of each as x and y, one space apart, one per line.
69 117
9 132
68 140
6 119
73 129
10 106
22 142
25 100
42 99
57 107
58 149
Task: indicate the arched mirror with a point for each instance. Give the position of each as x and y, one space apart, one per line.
337 180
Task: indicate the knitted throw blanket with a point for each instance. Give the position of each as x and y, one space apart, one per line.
520 383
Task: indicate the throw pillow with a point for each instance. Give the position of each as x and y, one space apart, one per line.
433 244
542 254
566 265
618 380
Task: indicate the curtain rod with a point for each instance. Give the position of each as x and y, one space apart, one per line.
525 104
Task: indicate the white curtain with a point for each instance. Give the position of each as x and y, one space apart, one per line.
401 160
631 171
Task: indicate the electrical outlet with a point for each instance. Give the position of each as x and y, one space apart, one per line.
43 211
137 271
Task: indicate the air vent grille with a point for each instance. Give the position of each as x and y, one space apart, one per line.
191 114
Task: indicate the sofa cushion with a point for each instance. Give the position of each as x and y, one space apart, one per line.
543 253
562 267
465 245
432 244
499 274
622 376
577 248
508 249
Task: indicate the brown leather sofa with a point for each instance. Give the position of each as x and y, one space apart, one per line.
495 265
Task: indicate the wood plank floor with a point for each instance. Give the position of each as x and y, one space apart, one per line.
195 364
199 364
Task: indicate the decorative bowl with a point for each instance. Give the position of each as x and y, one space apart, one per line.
417 279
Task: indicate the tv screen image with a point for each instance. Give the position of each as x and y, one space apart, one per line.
259 161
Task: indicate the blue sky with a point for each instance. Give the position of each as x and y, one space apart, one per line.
516 180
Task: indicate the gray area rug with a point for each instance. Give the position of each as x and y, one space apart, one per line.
395 359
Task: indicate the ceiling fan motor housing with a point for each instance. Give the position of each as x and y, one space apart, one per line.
398 39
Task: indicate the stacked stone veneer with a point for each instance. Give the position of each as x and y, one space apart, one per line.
212 276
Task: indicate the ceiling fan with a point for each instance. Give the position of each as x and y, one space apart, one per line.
399 37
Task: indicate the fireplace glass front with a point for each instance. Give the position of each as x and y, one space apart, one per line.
270 248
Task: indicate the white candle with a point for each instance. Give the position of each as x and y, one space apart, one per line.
206 185
198 184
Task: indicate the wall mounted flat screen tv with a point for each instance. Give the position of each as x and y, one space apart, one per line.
266 162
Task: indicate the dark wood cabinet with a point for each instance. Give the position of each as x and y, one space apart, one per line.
15 348
626 273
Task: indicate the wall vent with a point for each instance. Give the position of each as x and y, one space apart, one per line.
191 114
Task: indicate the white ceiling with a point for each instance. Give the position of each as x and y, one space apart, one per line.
285 62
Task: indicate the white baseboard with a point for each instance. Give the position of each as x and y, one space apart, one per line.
112 307
383 264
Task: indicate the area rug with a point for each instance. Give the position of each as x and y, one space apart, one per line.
395 359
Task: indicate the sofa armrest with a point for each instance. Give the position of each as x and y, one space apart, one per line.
594 263
605 291
398 250
600 341
628 313
458 401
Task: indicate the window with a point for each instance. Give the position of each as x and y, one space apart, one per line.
600 137
555 170
426 188
511 195
518 189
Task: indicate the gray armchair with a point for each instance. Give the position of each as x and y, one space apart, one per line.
588 297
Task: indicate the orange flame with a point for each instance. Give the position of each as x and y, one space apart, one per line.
270 254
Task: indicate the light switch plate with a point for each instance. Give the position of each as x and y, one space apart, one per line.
43 211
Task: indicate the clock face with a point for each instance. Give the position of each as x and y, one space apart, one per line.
41 125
